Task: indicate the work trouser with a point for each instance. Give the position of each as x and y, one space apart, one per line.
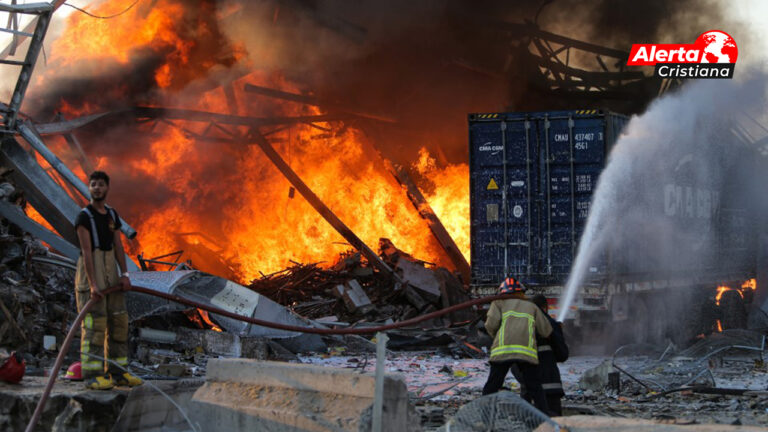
553 393
525 373
555 404
104 331
550 381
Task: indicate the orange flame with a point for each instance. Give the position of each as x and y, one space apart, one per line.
449 197
101 42
720 291
207 320
171 36
263 226
257 223
201 318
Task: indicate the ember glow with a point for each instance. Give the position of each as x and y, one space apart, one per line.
207 320
251 220
201 319
750 284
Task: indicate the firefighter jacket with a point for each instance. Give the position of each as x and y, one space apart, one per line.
552 350
514 324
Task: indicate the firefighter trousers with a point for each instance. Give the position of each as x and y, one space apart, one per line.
525 373
104 331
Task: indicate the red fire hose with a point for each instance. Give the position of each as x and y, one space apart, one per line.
368 330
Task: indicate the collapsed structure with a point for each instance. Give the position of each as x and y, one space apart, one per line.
362 286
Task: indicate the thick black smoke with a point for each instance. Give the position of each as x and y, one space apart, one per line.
426 64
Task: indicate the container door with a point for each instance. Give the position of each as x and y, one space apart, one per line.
573 155
501 213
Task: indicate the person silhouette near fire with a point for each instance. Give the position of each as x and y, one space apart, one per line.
104 331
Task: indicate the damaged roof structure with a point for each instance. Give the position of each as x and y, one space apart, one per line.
206 367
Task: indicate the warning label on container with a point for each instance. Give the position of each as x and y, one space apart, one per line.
492 185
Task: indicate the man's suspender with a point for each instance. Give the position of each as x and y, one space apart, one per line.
94 232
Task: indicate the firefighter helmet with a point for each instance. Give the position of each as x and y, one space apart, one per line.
74 372
510 285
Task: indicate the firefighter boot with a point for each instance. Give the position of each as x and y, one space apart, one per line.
102 382
127 379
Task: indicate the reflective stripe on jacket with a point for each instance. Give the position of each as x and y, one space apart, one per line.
514 325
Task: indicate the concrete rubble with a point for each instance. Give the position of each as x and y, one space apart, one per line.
70 408
250 395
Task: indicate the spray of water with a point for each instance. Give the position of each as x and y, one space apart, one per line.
590 244
663 197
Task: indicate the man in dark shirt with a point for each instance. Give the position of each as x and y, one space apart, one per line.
105 327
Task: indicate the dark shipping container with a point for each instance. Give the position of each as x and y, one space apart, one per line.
532 176
547 160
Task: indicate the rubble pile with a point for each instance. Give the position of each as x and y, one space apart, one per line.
36 297
182 350
352 291
721 379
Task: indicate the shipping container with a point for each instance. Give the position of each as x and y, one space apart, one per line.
531 181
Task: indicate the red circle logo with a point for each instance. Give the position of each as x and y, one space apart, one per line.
717 47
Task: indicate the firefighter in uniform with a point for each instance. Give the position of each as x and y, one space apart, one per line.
552 350
104 331
514 325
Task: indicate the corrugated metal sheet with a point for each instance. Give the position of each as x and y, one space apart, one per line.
224 294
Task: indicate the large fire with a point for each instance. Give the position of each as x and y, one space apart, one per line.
246 211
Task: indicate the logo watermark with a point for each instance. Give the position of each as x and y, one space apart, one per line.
712 55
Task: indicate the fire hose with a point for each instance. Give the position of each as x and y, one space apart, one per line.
213 309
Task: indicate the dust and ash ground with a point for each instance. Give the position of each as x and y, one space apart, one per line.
427 374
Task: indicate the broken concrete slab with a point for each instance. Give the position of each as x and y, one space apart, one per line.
597 378
70 407
254 348
582 423
355 298
422 279
242 394
212 342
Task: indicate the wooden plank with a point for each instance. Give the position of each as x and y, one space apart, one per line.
318 204
435 225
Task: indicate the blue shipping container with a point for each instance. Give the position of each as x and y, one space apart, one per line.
531 181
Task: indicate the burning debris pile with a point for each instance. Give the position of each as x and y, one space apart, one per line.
352 291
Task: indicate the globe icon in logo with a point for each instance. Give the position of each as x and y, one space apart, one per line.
717 47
